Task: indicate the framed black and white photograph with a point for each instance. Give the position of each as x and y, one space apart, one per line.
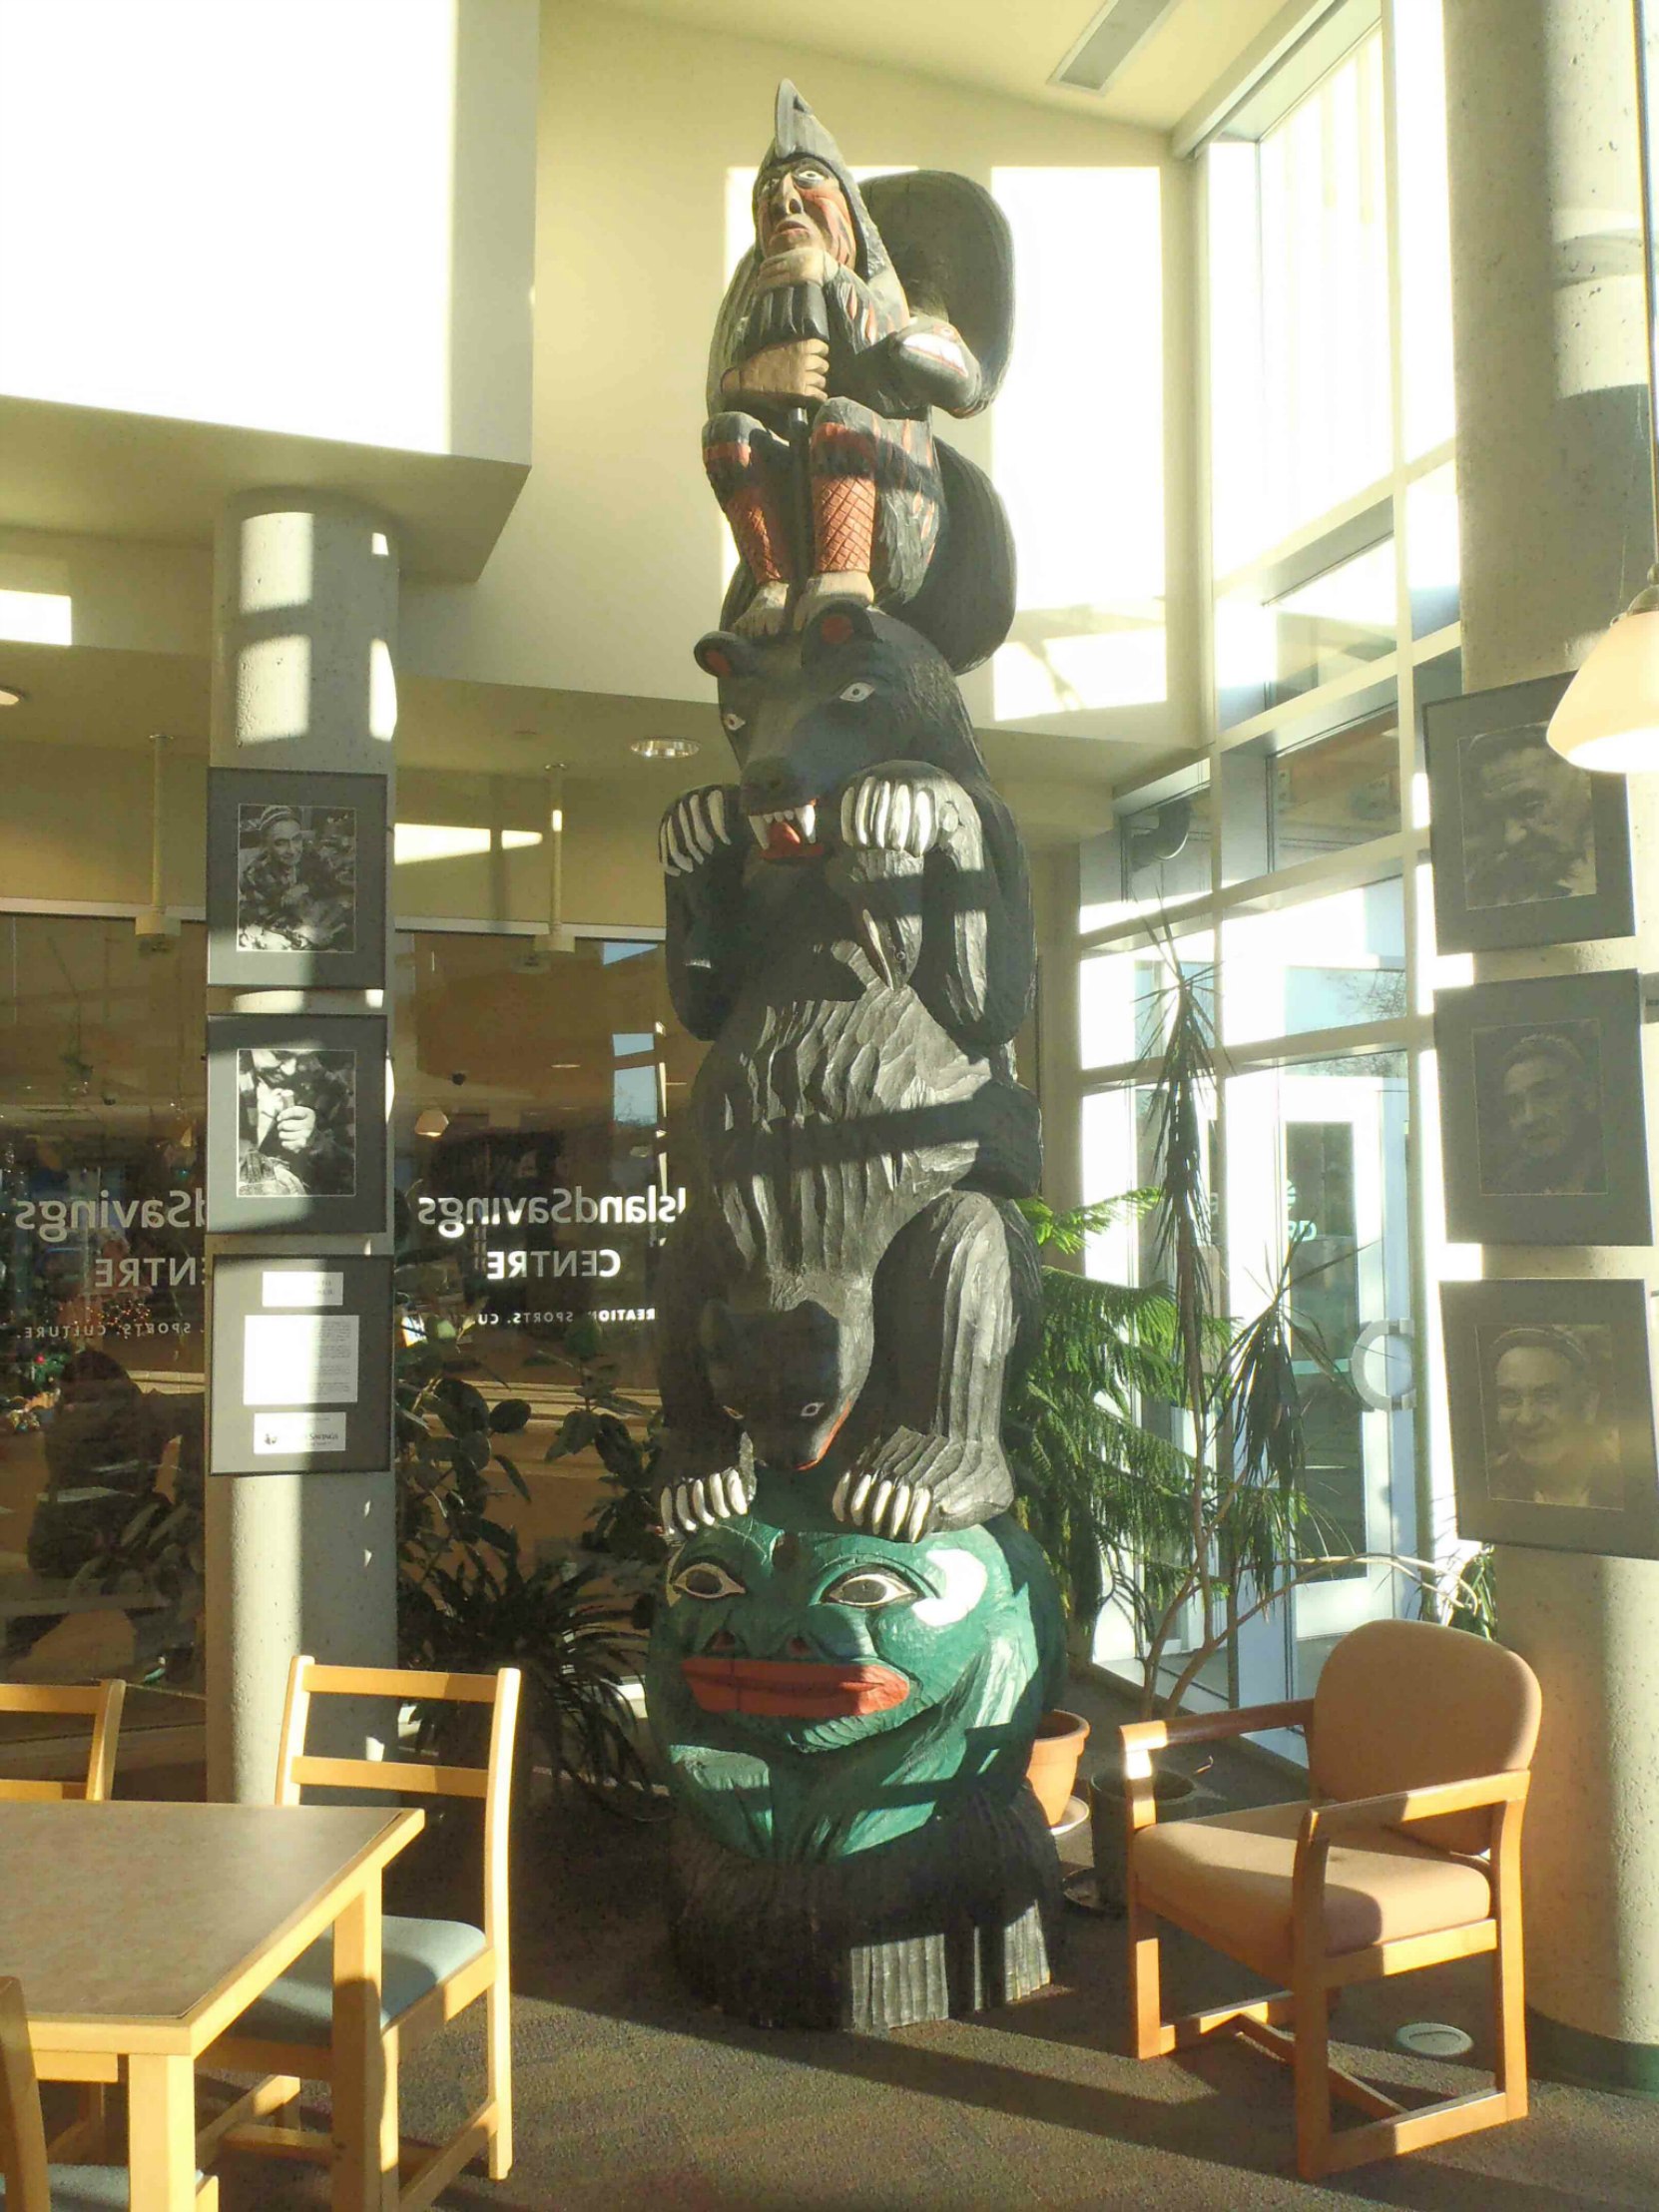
1550 1388
302 1365
1529 849
296 881
296 1122
1541 1111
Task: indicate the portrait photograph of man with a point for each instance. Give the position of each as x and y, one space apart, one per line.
1527 848
1542 1116
1542 1391
296 878
1527 832
296 1123
1548 1385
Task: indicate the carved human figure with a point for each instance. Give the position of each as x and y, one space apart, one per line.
850 927
825 369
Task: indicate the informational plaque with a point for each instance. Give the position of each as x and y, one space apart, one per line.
303 1365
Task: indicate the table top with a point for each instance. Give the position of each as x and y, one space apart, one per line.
133 1927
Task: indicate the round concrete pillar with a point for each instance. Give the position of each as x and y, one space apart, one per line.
1557 534
305 598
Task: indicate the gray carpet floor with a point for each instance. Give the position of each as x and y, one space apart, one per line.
630 2094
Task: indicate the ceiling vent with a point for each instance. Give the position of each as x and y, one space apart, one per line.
1112 36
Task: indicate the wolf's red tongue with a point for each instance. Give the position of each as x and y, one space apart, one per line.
783 841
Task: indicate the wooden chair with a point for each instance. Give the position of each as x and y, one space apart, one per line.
29 2183
1407 1854
102 1701
431 1970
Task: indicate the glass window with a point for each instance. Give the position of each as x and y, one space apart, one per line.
1324 963
1313 633
1432 550
1425 227
101 1308
1299 311
549 1179
1316 1168
1337 791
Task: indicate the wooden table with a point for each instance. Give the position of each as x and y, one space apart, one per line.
141 1931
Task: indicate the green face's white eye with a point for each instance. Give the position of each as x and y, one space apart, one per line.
811 1410
704 1579
733 722
855 694
868 1589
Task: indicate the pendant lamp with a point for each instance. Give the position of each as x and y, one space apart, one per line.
1608 717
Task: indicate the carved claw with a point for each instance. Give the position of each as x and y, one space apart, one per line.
900 1511
892 811
696 828
704 1500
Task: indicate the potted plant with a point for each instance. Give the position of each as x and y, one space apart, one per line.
468 1601
1201 1522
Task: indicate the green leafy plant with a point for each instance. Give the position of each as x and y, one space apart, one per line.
467 1602
1160 1448
621 1433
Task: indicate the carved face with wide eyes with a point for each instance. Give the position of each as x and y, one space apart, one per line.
800 204
822 1638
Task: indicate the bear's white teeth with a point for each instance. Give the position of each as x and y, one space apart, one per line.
801 819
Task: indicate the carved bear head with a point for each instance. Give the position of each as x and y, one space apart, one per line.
807 714
790 1374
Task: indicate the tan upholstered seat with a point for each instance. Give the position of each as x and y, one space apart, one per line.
1419 1739
1234 1870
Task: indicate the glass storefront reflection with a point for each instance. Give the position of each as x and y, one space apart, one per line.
538 1109
101 1298
536 1126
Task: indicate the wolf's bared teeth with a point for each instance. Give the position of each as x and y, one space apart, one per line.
807 818
761 827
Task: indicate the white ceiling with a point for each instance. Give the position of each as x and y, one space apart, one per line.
1008 46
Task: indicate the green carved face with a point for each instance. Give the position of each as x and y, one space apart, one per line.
820 1657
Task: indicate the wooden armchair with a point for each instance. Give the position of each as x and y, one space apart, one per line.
1408 1853
430 1971
27 2182
102 1701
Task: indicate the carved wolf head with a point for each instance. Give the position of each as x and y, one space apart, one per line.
806 714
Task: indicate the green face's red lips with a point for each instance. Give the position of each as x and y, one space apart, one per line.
794 1689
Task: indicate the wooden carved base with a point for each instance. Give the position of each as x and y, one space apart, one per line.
943 1922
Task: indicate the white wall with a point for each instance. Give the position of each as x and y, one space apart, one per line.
312 217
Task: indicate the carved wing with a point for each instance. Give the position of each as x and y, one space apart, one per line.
954 254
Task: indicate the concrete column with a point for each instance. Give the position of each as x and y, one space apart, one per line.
1557 534
306 599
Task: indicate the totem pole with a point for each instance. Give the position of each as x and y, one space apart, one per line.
856 1638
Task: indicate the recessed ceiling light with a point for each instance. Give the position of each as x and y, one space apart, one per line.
664 748
562 1068
11 697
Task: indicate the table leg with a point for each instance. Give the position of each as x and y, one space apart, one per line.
363 2078
161 2132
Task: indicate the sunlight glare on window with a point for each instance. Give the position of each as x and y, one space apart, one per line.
1425 227
37 616
1077 436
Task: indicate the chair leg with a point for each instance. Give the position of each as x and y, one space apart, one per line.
1311 2063
1509 2018
498 2063
1146 2004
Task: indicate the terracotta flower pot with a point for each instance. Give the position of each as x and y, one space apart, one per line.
1052 1772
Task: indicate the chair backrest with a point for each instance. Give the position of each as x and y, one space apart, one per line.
492 1782
22 2130
1402 1704
102 1701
